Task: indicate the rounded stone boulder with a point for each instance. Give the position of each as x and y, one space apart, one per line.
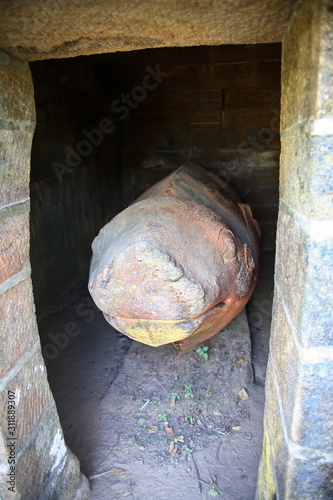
179 263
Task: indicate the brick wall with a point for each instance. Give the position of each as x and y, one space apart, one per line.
216 105
297 461
43 466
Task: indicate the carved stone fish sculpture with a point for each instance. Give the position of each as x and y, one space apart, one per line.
178 264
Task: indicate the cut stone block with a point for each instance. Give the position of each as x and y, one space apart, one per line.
14 245
46 468
18 327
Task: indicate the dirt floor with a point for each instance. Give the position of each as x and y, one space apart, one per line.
151 423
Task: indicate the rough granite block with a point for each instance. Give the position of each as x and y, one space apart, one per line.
32 396
306 175
46 468
17 102
18 328
303 273
15 148
300 54
14 245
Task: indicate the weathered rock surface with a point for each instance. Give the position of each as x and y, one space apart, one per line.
179 263
35 30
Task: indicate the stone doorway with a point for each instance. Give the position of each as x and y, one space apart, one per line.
108 127
296 460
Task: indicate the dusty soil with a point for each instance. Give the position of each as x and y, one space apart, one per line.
151 423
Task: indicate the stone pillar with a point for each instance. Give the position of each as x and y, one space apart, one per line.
40 463
297 460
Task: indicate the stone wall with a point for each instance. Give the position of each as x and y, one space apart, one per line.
218 106
35 461
297 457
47 29
75 174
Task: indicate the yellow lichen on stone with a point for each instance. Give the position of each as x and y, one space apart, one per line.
156 333
266 485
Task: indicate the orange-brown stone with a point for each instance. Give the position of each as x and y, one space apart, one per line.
179 263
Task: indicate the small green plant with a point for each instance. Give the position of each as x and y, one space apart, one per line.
208 391
176 376
141 421
188 390
156 402
174 398
163 416
202 351
189 419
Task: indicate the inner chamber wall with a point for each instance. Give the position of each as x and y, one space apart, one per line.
110 126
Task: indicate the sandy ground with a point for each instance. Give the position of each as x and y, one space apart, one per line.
151 423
